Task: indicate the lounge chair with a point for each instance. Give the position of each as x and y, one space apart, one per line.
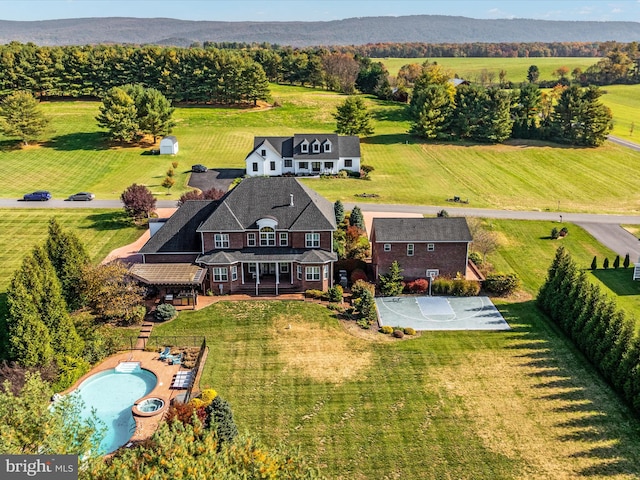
165 354
174 359
182 381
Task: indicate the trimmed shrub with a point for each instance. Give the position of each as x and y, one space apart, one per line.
419 285
386 329
554 233
564 231
409 331
627 261
398 333
335 293
605 264
594 263
443 214
316 294
442 286
476 258
357 289
502 283
164 312
207 396
364 323
221 419
616 262
471 288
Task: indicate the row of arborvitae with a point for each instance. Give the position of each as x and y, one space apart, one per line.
600 330
616 262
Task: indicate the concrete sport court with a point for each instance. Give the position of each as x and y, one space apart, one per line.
440 313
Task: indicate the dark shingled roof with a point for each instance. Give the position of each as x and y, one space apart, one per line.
178 234
269 197
168 273
289 147
226 257
439 229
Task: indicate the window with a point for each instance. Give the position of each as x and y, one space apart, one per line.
328 165
304 165
288 163
299 272
284 268
325 272
312 274
251 239
272 166
254 167
387 247
430 247
410 249
348 162
312 240
315 166
327 147
221 240
316 147
252 268
263 153
267 237
220 274
304 147
234 272
284 239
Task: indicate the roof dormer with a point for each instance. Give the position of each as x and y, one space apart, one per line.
304 146
326 146
315 146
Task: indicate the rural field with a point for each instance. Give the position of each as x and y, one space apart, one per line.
471 67
516 175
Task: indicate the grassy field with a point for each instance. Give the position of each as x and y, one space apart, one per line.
513 176
21 229
624 101
521 404
516 68
457 405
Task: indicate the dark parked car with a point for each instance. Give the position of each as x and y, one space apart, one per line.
37 196
198 168
82 197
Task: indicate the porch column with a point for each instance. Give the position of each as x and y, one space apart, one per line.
257 277
242 271
277 276
291 272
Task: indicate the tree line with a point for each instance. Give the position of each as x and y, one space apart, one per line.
439 110
181 75
600 330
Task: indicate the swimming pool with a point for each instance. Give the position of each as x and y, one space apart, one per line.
112 393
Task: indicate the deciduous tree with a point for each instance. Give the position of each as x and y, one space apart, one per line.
138 201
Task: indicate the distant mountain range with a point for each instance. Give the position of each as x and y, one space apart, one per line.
351 31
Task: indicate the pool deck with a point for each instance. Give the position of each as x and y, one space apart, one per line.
147 425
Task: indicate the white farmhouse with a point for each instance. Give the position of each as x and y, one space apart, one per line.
169 145
303 154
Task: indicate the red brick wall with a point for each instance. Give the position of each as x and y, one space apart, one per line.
298 240
449 258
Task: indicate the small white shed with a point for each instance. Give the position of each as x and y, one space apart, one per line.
169 145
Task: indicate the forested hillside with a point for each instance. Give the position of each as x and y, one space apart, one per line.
352 31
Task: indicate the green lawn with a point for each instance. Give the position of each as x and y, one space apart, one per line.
624 101
516 68
458 405
21 229
407 170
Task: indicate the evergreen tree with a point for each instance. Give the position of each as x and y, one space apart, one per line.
627 261
605 263
499 123
22 117
594 263
431 111
391 283
356 219
526 111
352 118
68 257
119 115
338 209
533 74
154 113
221 420
616 262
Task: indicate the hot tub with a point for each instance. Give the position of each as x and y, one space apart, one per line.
149 407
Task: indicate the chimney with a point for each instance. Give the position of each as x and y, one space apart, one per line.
291 199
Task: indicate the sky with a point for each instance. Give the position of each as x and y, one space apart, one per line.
313 10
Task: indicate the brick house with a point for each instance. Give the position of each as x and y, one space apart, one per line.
268 235
303 154
421 246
